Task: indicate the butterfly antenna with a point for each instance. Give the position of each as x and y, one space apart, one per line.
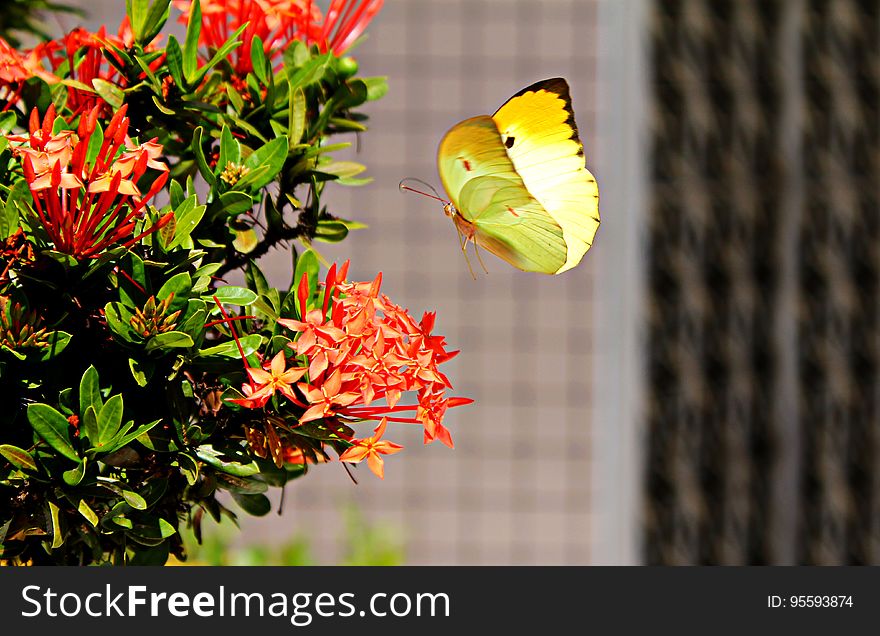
403 186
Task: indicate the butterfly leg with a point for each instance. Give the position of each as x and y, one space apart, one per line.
479 258
463 241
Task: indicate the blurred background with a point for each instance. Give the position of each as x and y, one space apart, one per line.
703 388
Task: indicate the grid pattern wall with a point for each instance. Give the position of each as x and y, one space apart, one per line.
515 489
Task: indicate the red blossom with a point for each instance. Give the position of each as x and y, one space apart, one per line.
372 448
275 377
15 69
85 56
279 22
344 23
87 208
363 350
275 22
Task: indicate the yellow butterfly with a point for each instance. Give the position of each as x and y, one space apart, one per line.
517 181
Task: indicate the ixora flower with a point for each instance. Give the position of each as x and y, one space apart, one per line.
372 448
361 349
16 69
83 56
86 206
279 22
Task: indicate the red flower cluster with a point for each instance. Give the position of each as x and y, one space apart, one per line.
15 70
346 20
86 208
84 55
360 348
279 22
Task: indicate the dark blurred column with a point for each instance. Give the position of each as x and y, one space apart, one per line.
715 218
764 266
839 328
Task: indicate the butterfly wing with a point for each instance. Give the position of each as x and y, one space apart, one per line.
487 192
539 135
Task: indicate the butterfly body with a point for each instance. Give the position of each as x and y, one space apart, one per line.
518 183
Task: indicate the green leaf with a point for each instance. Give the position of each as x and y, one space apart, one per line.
8 219
52 427
250 344
230 149
150 555
354 95
88 513
179 285
330 231
110 93
296 116
343 169
126 438
234 203
174 59
189 467
90 391
256 505
137 13
221 54
18 457
154 21
191 43
96 140
7 121
311 72
134 500
140 371
196 147
255 279
232 295
194 325
306 263
353 225
377 87
258 60
89 424
58 341
325 430
271 157
346 124
57 535
234 461
169 340
175 190
246 241
75 475
162 107
117 317
109 420
241 485
186 222
295 56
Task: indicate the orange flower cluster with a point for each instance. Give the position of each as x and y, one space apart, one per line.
278 22
360 349
85 55
87 207
15 69
275 22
